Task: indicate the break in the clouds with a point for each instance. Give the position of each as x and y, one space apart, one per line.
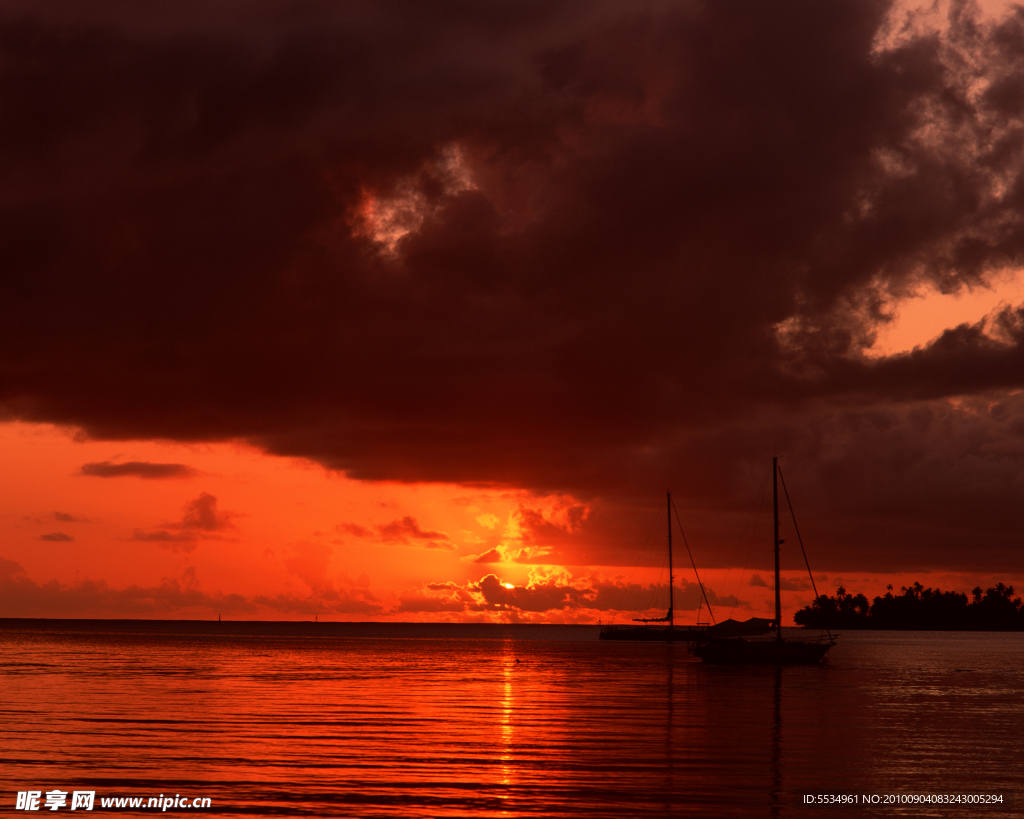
575 247
137 469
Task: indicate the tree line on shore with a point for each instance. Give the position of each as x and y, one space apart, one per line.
917 608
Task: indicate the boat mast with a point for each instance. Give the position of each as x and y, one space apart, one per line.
775 508
671 607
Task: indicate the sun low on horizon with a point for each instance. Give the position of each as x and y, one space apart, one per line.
163 530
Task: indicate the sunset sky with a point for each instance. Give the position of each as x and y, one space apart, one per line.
403 310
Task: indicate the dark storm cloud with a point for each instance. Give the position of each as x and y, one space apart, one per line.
571 246
137 469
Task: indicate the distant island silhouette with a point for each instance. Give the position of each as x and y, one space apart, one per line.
916 608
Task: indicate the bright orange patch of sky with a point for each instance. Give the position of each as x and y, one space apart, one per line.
923 317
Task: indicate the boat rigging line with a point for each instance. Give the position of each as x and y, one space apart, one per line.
800 540
699 582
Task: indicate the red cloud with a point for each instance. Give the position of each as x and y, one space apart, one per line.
353 529
587 595
182 596
200 519
493 556
408 530
137 469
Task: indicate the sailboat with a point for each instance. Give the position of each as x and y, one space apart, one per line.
665 629
775 650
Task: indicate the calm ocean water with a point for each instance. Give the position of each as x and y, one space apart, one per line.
384 720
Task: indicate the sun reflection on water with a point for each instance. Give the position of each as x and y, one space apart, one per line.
418 726
509 663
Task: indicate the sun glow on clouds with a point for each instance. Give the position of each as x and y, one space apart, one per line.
228 530
386 218
197 529
206 529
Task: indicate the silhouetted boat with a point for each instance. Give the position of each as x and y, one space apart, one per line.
658 633
771 651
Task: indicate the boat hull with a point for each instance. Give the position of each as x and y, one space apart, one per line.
656 634
762 652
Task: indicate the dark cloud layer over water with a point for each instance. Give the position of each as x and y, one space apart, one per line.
576 247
